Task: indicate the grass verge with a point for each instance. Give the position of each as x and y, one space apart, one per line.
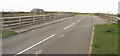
7 33
105 39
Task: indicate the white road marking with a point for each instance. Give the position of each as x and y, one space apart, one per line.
35 44
39 52
79 20
62 35
90 49
69 26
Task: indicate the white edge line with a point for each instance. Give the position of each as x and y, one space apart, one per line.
90 49
79 20
69 26
35 45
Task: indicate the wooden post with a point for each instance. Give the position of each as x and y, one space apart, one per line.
20 22
43 17
1 25
50 18
34 19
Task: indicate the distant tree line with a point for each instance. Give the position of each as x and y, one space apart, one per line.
13 12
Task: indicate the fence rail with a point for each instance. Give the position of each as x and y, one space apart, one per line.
17 22
112 19
109 18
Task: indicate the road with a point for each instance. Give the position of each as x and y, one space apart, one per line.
72 36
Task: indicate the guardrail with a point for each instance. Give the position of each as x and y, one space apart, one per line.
22 21
109 18
112 19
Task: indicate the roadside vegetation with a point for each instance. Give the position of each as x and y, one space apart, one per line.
84 14
105 39
14 14
7 33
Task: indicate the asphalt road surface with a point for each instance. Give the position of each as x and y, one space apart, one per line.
72 36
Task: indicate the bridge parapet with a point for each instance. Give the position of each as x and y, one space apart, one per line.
22 21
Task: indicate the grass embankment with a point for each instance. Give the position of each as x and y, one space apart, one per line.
105 39
7 33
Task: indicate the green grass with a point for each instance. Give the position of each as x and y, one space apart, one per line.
7 33
105 39
85 14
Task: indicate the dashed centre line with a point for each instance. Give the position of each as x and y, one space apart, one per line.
69 26
43 41
35 45
79 20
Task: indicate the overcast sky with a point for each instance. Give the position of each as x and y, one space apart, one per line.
104 6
